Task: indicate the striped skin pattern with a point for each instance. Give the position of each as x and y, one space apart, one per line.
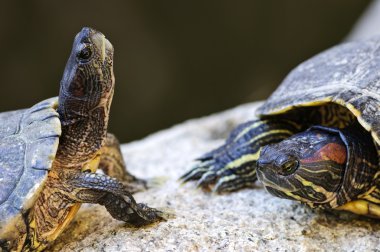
308 166
337 88
338 167
328 167
233 166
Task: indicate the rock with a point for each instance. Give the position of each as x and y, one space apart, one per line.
248 220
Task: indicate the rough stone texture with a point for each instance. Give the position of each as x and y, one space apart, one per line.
249 220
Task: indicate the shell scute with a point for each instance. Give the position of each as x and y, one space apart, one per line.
28 143
347 74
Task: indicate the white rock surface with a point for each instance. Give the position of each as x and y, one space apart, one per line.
249 220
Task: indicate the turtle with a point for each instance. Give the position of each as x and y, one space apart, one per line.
315 139
50 152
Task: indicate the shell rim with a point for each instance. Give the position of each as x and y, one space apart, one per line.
318 102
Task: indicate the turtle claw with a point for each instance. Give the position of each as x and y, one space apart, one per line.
231 166
215 174
192 175
196 172
224 184
206 179
147 216
235 182
227 184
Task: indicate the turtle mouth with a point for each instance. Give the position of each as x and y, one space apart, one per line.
294 187
271 179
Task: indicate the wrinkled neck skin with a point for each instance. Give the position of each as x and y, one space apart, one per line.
84 120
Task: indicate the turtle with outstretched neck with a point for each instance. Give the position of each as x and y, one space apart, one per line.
64 173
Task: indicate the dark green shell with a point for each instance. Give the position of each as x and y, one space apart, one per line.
28 143
347 74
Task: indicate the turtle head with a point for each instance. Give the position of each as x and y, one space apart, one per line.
88 80
307 167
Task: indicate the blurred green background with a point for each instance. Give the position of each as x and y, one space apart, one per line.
174 60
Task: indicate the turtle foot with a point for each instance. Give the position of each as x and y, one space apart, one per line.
220 172
148 216
232 166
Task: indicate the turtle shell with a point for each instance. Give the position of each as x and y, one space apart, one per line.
28 144
347 74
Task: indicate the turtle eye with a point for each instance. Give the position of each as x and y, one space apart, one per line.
85 54
289 167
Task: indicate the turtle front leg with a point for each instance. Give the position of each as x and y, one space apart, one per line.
61 198
112 164
233 165
109 192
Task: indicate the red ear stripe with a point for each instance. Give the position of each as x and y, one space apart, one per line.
331 151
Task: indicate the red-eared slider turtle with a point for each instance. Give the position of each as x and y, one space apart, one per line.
49 154
317 137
